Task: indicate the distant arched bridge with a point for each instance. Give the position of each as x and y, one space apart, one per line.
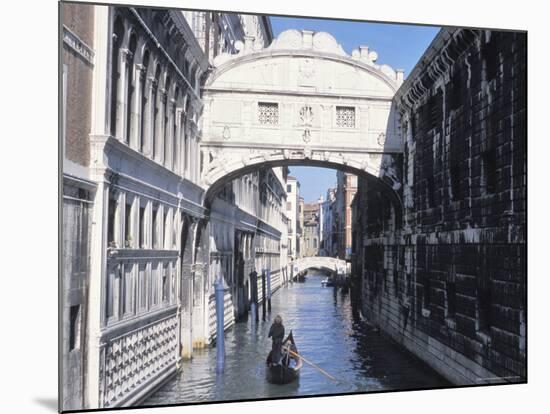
331 264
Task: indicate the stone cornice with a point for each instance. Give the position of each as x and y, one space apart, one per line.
436 62
232 61
235 91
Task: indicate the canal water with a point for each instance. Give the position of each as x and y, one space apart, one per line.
327 332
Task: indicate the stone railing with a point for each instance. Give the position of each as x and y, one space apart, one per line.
134 361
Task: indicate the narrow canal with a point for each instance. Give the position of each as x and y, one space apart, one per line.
327 332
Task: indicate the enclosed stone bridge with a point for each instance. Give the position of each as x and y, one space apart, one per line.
330 264
301 101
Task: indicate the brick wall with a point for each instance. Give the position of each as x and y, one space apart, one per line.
450 283
78 18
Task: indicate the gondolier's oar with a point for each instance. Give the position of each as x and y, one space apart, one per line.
313 365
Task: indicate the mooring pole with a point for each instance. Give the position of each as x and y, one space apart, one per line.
268 272
254 294
263 294
220 340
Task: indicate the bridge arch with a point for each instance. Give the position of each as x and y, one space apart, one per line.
331 264
301 101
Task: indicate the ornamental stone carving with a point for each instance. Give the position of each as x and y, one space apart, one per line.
226 134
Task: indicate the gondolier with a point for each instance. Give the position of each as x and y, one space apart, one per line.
288 369
276 333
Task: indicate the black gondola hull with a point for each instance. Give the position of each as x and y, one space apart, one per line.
279 374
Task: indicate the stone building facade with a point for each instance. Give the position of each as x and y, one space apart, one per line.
345 192
292 206
311 229
136 285
329 236
444 273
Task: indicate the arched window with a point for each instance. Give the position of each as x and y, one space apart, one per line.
145 112
175 143
155 102
130 104
118 34
167 128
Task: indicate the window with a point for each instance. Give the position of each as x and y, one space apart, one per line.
288 206
111 220
288 188
112 294
165 283
156 227
142 227
268 113
484 303
455 181
167 127
451 299
155 284
131 89
345 116
489 171
118 35
74 327
456 91
427 291
128 224
155 127
142 278
145 117
128 290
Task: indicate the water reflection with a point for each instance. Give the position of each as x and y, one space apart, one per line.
327 331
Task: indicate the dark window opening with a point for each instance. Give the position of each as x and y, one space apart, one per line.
490 54
427 291
396 282
430 189
451 299
456 91
144 101
155 228
455 181
74 327
118 34
131 87
111 220
484 308
435 109
165 284
127 225
83 194
489 171
142 226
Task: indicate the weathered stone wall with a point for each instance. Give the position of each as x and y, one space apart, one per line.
450 283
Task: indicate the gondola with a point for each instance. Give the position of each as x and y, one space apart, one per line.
289 368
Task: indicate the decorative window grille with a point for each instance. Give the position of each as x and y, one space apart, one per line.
268 113
345 116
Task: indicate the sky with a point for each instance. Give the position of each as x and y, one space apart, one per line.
397 45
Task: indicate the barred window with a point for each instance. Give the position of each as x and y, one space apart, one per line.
345 116
268 113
